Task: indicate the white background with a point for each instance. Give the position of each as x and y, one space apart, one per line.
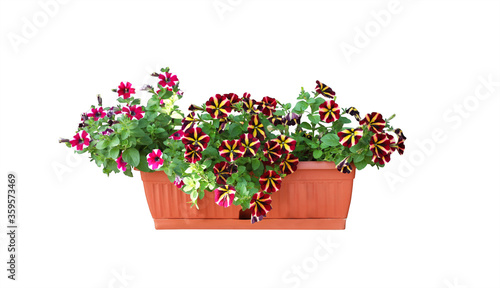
429 219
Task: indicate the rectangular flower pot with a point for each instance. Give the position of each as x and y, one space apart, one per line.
316 196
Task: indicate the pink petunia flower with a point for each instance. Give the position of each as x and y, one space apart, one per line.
122 165
125 90
133 112
80 140
167 80
155 159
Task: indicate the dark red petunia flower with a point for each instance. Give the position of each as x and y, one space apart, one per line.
168 79
250 145
380 145
400 134
249 105
344 166
196 137
218 106
125 90
272 151
286 143
222 125
260 204
324 90
270 181
222 171
354 112
188 122
350 137
193 107
97 113
289 164
256 128
233 98
374 122
133 112
382 159
177 135
80 140
275 119
329 111
231 150
267 105
400 146
292 119
193 153
224 195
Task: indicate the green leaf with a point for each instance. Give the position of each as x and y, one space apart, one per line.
345 120
314 118
131 156
306 125
255 163
317 154
114 152
125 134
300 107
330 139
361 165
102 144
115 141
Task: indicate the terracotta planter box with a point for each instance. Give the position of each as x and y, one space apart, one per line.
316 196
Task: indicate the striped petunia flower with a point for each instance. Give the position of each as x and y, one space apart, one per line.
292 119
80 140
222 171
354 112
324 90
267 106
329 111
122 165
233 98
155 159
224 195
380 145
125 90
188 121
196 137
344 166
222 125
193 153
256 128
250 145
218 106
272 151
270 181
400 146
193 107
374 122
275 119
400 134
133 112
96 113
231 150
289 164
177 135
381 159
260 205
350 137
287 144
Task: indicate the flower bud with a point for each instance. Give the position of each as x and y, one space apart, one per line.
63 140
99 99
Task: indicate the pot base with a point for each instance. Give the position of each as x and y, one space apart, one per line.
276 224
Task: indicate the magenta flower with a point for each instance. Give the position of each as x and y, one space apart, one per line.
133 112
177 135
80 140
155 159
125 90
122 165
96 113
167 80
179 182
